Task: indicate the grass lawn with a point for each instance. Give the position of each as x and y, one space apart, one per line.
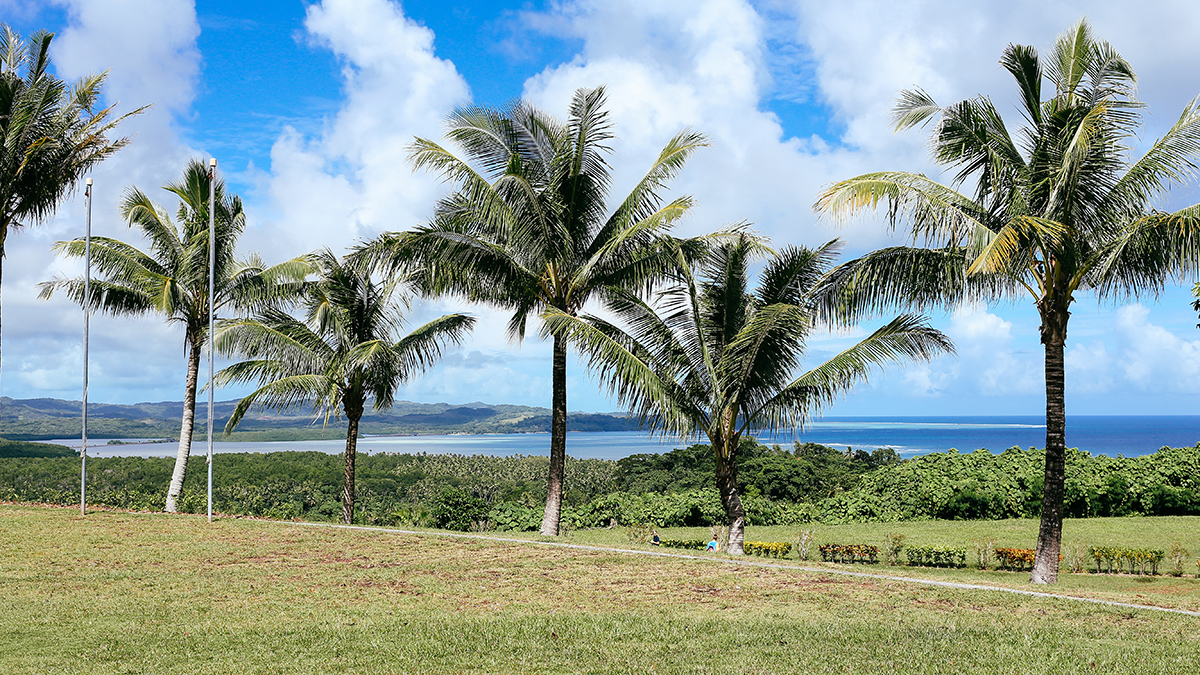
120 592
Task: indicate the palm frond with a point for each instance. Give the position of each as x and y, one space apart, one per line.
935 213
905 338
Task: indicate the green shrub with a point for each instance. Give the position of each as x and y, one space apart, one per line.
895 544
693 544
457 509
935 556
1116 559
514 517
1178 555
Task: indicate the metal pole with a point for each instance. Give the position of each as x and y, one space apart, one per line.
87 311
212 263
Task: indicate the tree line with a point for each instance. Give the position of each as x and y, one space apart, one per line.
787 486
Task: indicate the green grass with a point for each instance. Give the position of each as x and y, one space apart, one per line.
118 592
1135 532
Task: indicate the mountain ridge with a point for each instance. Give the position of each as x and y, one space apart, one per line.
47 418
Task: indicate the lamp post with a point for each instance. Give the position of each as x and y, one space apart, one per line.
212 263
87 311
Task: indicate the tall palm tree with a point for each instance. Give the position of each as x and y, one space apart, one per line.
529 229
713 356
50 133
1057 209
171 278
346 350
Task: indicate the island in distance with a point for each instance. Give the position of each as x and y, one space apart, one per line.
47 418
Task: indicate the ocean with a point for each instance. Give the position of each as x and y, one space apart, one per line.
1127 435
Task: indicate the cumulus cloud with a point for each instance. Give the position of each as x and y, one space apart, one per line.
1151 358
702 65
1087 368
353 180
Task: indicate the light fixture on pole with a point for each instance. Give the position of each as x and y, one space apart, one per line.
87 311
212 263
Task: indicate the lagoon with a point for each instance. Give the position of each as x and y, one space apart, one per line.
1128 435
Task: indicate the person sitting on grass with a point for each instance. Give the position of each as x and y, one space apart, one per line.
654 540
712 546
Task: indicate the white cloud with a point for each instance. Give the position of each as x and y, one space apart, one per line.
709 74
1087 368
354 180
987 357
1151 358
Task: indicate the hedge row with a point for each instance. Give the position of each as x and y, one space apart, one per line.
1016 558
1134 560
849 553
935 556
769 549
693 544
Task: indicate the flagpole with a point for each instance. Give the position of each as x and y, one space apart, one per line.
87 311
212 263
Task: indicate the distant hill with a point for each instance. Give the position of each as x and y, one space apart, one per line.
45 418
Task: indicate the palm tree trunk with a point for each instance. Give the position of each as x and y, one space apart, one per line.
354 411
727 486
558 441
186 427
3 236
1045 565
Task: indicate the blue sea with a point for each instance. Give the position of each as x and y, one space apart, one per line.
1127 435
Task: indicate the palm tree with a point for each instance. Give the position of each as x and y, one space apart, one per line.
50 134
714 357
345 352
1058 209
528 228
171 278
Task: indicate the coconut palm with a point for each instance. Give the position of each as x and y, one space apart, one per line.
171 277
1057 209
713 356
346 350
50 133
529 229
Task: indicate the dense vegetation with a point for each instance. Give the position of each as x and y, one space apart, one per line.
808 483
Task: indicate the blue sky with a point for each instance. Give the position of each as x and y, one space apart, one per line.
309 106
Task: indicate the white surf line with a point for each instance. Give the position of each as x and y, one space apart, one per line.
753 563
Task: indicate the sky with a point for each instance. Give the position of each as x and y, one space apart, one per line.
309 108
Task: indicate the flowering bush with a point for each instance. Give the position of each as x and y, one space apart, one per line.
1016 558
849 553
769 549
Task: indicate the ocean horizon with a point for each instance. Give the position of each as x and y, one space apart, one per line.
1112 435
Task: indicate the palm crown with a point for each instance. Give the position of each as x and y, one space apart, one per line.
50 133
